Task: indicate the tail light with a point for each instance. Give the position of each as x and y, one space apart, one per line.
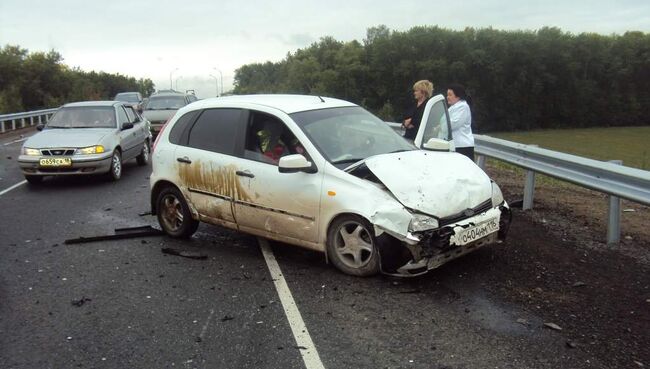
155 142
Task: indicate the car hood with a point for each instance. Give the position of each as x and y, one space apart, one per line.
158 115
68 137
435 183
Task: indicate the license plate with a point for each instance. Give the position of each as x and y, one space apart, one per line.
472 234
55 162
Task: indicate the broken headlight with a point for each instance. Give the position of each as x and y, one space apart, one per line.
497 196
421 222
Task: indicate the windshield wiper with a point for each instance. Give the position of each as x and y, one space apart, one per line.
343 161
401 150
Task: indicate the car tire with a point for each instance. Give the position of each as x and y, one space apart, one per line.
115 171
174 215
34 180
352 246
143 158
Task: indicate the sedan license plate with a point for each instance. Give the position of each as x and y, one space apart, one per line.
55 162
481 230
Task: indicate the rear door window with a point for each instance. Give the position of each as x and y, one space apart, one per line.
216 130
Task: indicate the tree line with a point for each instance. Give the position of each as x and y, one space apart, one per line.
39 80
518 80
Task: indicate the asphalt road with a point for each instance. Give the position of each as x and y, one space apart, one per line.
139 308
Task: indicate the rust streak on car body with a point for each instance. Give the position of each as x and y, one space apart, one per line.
221 181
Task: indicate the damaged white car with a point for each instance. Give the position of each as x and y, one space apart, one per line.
325 174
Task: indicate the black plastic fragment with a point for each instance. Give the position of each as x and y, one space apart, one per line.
120 234
79 303
185 254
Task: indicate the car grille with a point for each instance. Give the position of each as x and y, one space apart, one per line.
467 213
57 152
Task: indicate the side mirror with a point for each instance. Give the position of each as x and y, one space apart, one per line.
295 163
126 126
40 127
137 120
437 144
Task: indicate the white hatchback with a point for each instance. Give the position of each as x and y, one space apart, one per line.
327 175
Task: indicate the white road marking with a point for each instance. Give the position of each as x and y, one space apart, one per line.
300 333
16 141
207 322
12 187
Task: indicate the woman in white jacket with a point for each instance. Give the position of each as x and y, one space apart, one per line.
460 116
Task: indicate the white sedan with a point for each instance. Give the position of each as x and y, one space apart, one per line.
327 175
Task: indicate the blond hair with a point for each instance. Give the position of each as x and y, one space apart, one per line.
425 86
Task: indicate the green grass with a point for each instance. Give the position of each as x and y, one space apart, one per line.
630 144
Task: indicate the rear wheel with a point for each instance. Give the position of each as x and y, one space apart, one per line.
352 246
174 215
115 172
34 179
143 158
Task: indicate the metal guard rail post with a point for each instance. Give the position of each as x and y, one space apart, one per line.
607 177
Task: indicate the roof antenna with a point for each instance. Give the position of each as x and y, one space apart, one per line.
321 99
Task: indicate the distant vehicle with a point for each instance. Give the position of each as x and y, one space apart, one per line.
132 98
163 105
327 175
93 137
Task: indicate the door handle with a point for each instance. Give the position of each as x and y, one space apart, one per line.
245 173
184 159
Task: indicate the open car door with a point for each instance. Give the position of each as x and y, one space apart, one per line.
435 125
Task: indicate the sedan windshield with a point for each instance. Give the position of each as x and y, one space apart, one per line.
165 103
127 97
349 134
84 117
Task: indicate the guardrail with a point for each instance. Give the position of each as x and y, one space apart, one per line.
610 177
8 121
607 177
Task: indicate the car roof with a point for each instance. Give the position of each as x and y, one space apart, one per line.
286 103
167 94
92 103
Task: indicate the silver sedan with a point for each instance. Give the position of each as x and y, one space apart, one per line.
83 138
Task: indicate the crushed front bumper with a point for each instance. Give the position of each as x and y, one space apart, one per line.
439 247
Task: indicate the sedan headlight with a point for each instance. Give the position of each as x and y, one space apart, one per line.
28 151
497 196
421 222
97 149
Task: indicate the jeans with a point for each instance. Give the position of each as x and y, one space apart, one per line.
467 151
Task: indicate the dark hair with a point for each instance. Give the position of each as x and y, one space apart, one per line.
459 90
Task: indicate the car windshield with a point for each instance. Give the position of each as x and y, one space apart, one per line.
165 102
84 117
127 97
349 134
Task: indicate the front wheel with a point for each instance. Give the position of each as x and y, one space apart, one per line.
352 246
174 215
115 172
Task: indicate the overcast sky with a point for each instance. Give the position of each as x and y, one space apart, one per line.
151 39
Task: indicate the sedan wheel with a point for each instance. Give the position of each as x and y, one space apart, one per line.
351 245
115 173
143 158
174 215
